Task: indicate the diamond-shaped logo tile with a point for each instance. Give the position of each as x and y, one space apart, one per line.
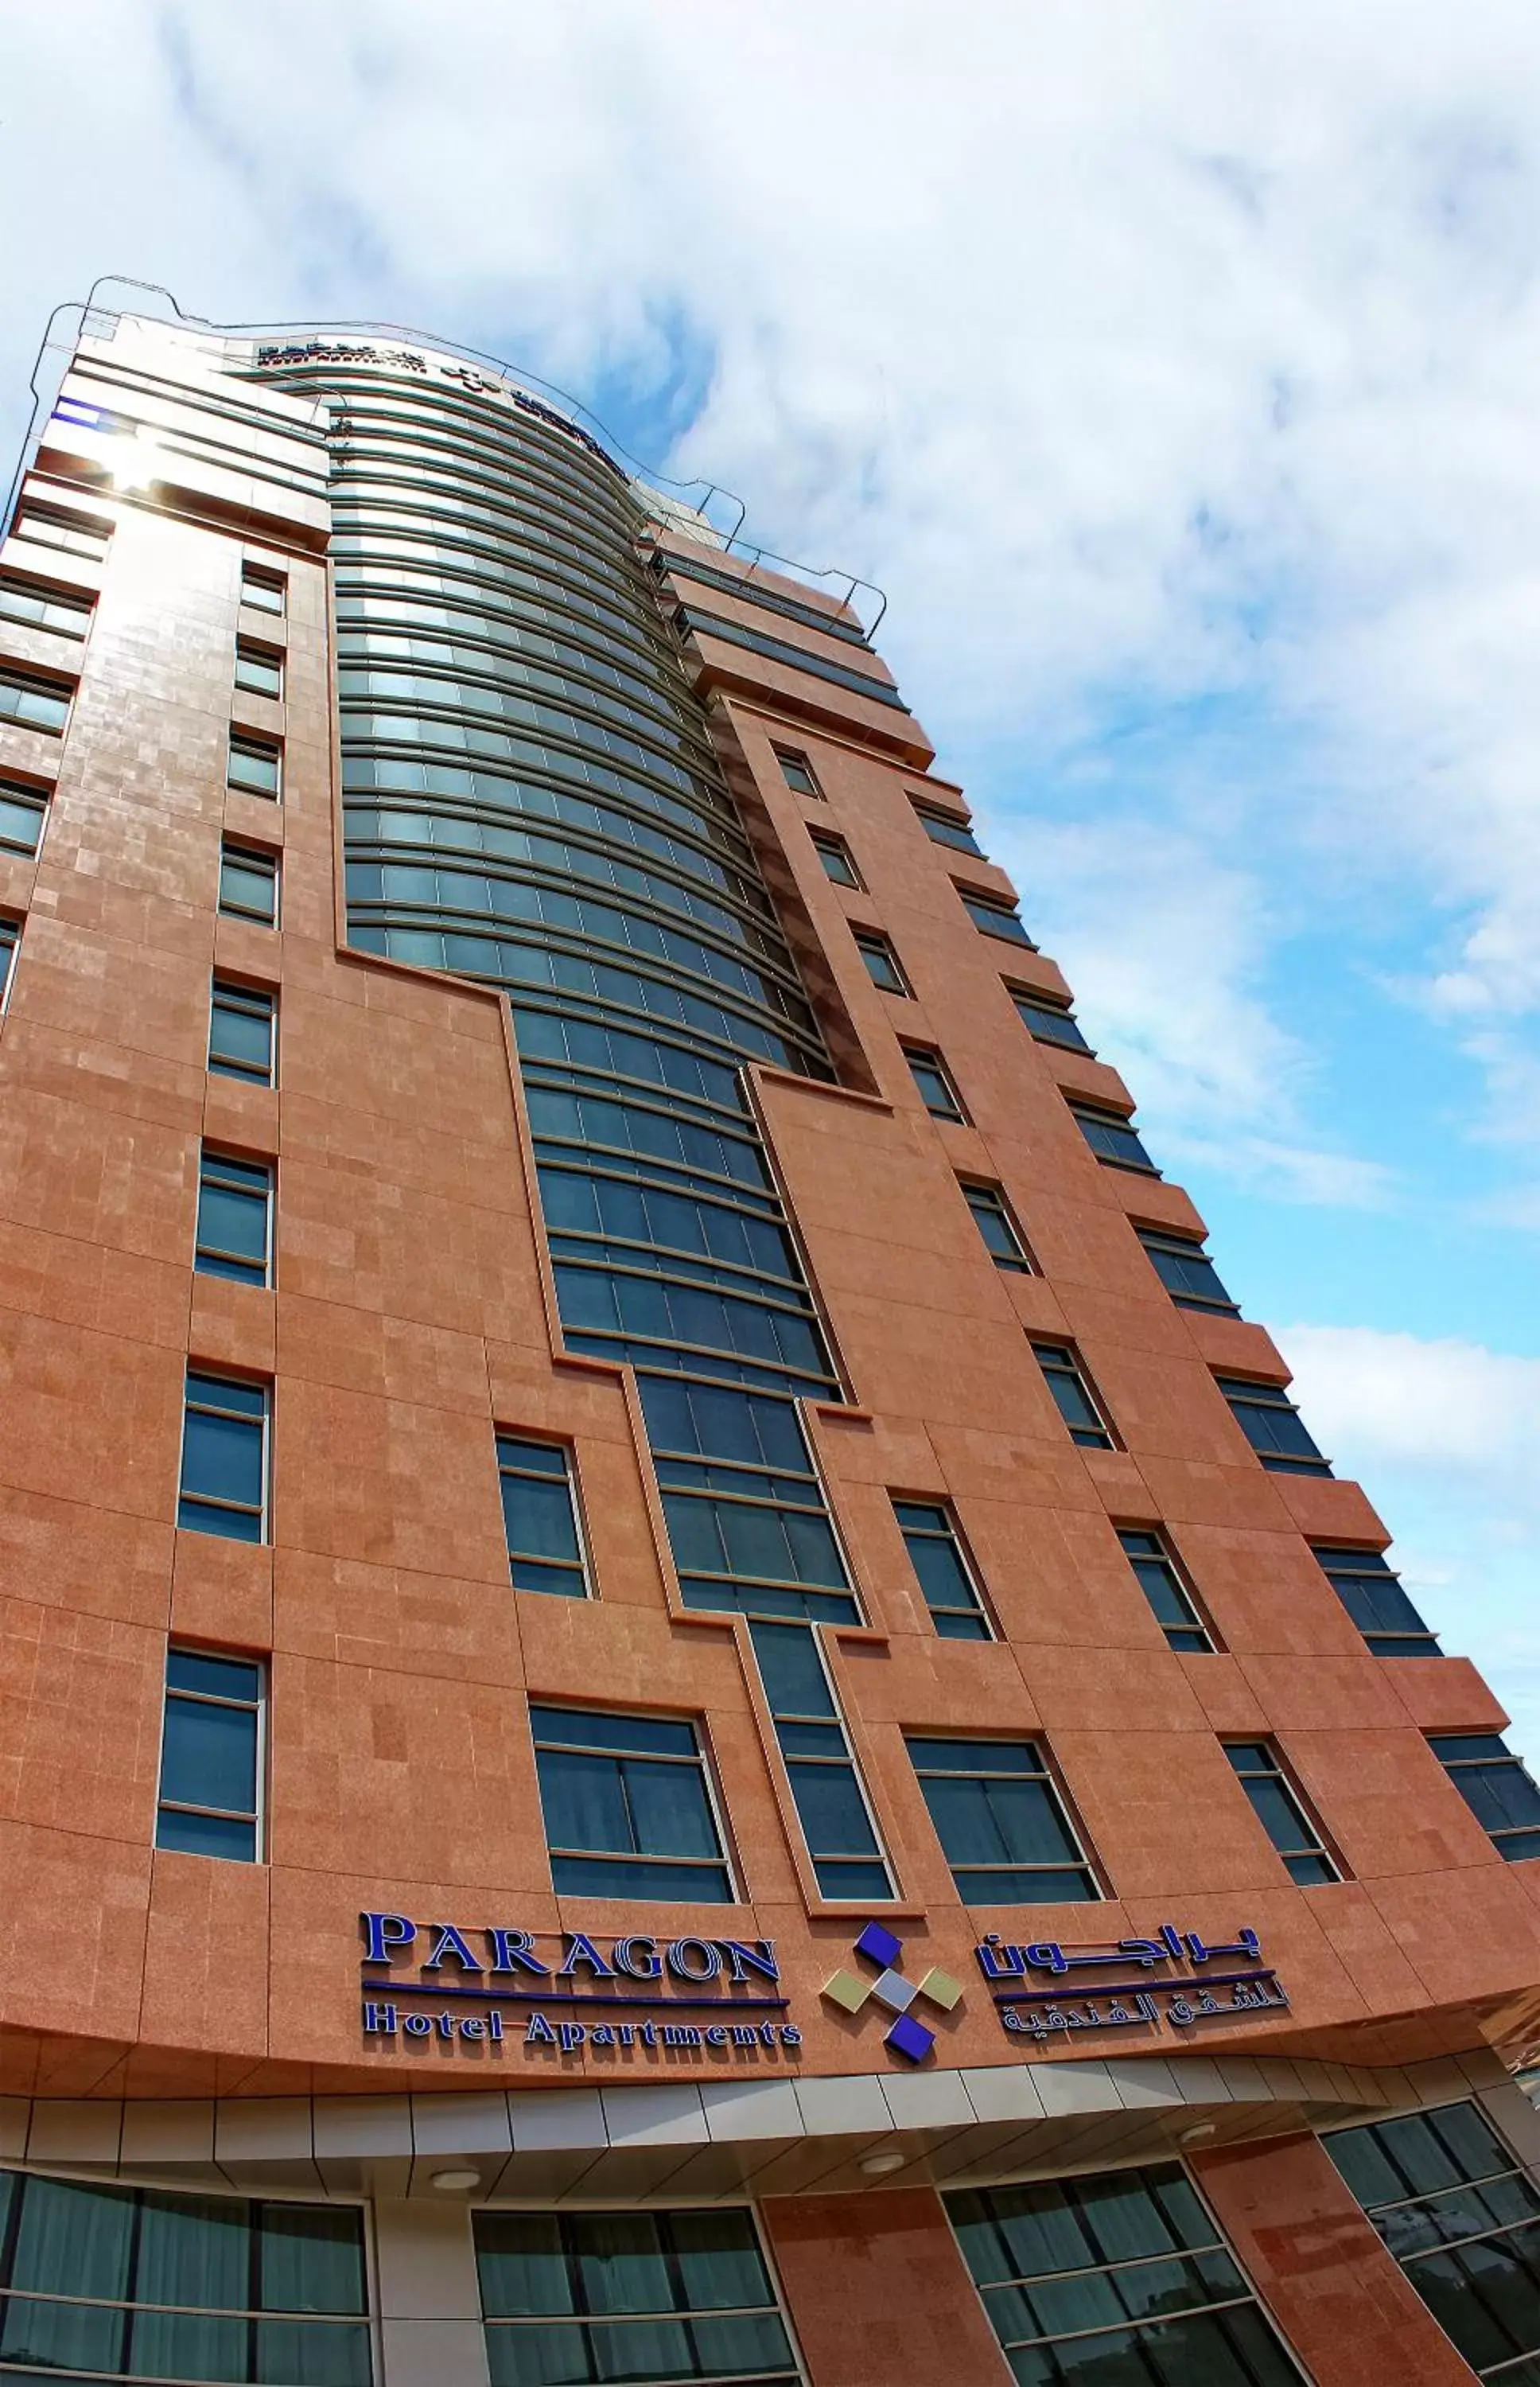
881 1946
894 1993
845 1990
912 2038
940 1989
908 2036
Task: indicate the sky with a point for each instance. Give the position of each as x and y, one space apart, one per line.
1174 371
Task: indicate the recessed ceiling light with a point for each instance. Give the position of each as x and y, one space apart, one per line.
459 2179
1199 2131
874 2166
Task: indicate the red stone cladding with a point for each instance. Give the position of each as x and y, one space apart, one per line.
412 1315
878 2292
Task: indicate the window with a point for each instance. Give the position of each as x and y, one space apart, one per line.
33 703
1370 1591
836 1824
946 828
23 809
946 1577
241 1024
1126 2272
586 2297
936 1091
210 1756
628 1809
1281 1812
1273 1427
111 2283
1164 1589
224 1458
1076 1402
1050 1022
996 919
882 964
1496 1787
268 591
545 1550
1186 1270
234 1229
259 670
1002 1237
835 855
1003 1826
10 932
797 771
1459 2213
1112 1137
248 883
41 608
254 765
71 533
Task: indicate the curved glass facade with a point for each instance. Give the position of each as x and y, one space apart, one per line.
531 800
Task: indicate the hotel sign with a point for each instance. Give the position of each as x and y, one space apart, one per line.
1165 1982
566 1990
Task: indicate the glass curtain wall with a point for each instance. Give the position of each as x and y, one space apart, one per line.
531 800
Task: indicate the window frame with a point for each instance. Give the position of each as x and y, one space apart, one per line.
246 998
212 1155
45 683
1511 1760
1254 1390
875 945
829 846
68 601
1279 1771
205 1373
932 1055
262 575
933 817
1031 1001
26 793
1045 1770
1336 1560
725 1863
974 901
76 526
10 948
587 1580
1166 1556
1102 1115
251 652
951 1533
269 857
254 744
1016 1263
798 761
1070 1362
259 1707
1191 1247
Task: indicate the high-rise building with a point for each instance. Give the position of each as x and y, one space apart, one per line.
680 1698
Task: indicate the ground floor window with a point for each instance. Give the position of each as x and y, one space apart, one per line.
1462 2219
1116 2279
650 2298
112 2283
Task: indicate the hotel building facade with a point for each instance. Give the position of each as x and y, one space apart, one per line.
681 1701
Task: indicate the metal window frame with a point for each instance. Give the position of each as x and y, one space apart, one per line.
1046 1771
1266 1393
1025 999
76 526
235 1508
1100 1115
932 1056
25 791
22 676
954 1536
1453 1766
869 943
266 857
1167 1554
800 762
10 947
932 816
1347 1562
703 1759
251 999
1281 1772
974 901
258 1818
1166 1239
845 1759
1067 1361
212 1153
83 607
1023 1264
829 845
261 576
252 652
501 1434
254 745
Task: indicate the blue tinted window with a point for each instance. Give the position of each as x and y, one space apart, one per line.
1112 1139
951 1593
241 1024
248 883
936 1089
1161 1582
1000 1821
234 1222
22 811
1281 1812
1273 1427
1370 1590
210 1756
224 1458
540 1517
1496 1787
1051 1023
1186 1270
995 920
996 1225
1067 1381
627 1811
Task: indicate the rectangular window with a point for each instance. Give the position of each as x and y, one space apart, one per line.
943 1570
1280 1812
1000 1821
882 963
23 811
1186 1270
1123 2272
1370 1590
212 1757
946 828
1496 1787
255 765
41 608
992 1218
591 2297
797 771
224 1458
33 703
70 534
259 670
628 1808
1112 1137
106 2282
1074 1396
835 855
1050 1022
268 591
234 1229
248 883
936 1091
1273 1427
545 1547
995 920
10 932
836 1824
1461 2217
241 1021
1164 1587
